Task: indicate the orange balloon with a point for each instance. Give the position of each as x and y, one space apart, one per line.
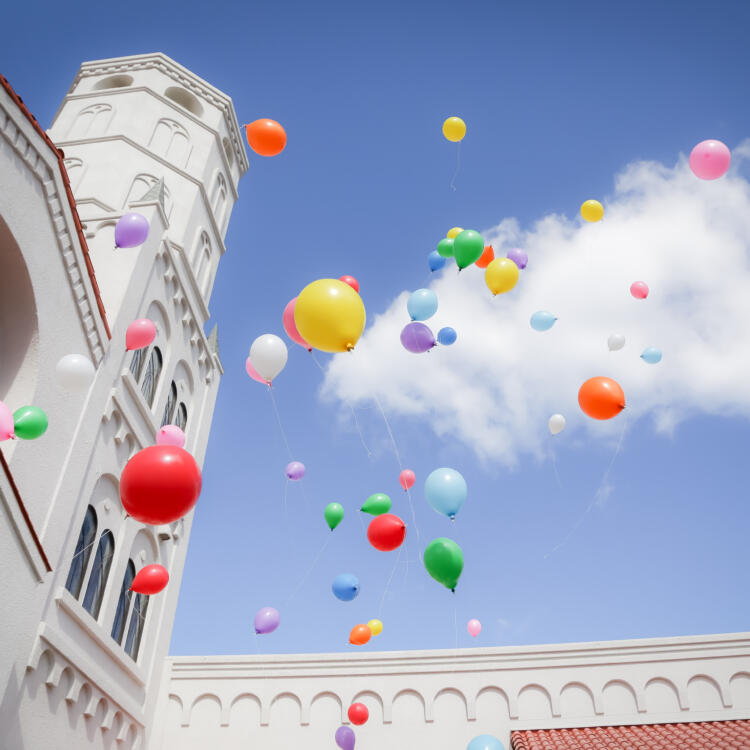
601 398
266 137
486 257
360 635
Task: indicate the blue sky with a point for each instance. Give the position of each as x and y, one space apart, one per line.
558 99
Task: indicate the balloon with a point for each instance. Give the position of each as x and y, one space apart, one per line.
345 738
601 398
267 620
454 232
251 371
615 342
160 484
445 490
406 479
485 742
334 515
131 230
468 248
150 580
518 256
542 320
417 338
266 137
353 283
6 422
556 423
29 422
358 713
709 160
330 315
295 470
474 627
386 532
140 333
639 289
291 327
445 248
501 275
376 627
444 561
487 256
435 260
75 372
377 504
592 210
447 336
170 434
651 354
422 304
345 587
360 635
268 355
454 129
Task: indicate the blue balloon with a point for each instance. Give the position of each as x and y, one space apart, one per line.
345 587
651 354
422 304
485 742
445 490
447 336
436 260
542 320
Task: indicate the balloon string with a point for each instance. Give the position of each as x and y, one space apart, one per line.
308 571
388 583
278 419
81 551
458 166
286 491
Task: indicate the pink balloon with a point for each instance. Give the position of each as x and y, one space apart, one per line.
639 289
253 373
6 422
291 327
474 627
406 479
709 160
170 434
140 333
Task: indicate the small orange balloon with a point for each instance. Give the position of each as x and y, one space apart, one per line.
266 137
486 257
360 635
601 398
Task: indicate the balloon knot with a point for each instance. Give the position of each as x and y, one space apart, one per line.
453 591
309 349
350 347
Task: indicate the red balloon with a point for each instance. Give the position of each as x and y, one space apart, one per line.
266 137
160 484
386 532
407 478
358 713
150 580
353 283
601 398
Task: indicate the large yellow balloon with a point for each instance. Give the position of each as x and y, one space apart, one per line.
501 275
376 626
592 210
330 315
454 129
453 233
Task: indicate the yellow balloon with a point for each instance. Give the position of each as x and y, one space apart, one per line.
454 129
376 626
500 276
330 315
592 210
453 233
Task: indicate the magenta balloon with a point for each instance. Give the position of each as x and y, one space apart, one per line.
131 230
417 337
518 256
267 620
291 327
295 470
345 738
253 373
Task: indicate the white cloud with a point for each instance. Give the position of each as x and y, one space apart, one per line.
497 386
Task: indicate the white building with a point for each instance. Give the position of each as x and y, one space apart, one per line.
83 663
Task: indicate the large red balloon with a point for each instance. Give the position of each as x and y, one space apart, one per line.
160 484
353 283
150 580
358 713
386 532
601 398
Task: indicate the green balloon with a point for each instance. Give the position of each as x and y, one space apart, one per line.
29 422
467 247
445 247
377 504
444 561
334 514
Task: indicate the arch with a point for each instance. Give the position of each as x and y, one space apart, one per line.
80 561
185 99
739 689
282 700
141 184
376 698
534 702
619 697
228 152
209 699
577 699
493 711
150 381
118 81
171 140
335 716
137 626
411 693
184 374
92 121
662 696
105 551
74 169
158 313
123 603
181 416
171 405
455 692
219 200
704 693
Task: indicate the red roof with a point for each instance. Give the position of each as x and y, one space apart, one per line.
699 735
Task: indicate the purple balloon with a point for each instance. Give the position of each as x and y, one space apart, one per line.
295 470
518 256
267 620
417 337
345 738
131 230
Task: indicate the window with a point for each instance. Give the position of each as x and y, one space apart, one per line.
220 200
228 150
151 378
136 364
99 573
114 82
92 121
123 603
181 418
169 408
171 140
80 560
142 183
185 99
137 621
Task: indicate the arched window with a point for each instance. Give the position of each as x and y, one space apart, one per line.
105 551
142 183
137 621
181 418
201 257
123 603
80 560
169 408
114 82
136 364
151 378
91 121
74 168
171 140
220 200
185 99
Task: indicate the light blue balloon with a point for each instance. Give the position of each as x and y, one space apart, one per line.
436 260
445 490
447 336
345 587
651 354
542 320
485 742
422 304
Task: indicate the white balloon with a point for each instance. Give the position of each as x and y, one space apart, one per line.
268 355
556 423
615 342
75 372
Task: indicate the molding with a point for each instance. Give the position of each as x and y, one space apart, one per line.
137 404
175 249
